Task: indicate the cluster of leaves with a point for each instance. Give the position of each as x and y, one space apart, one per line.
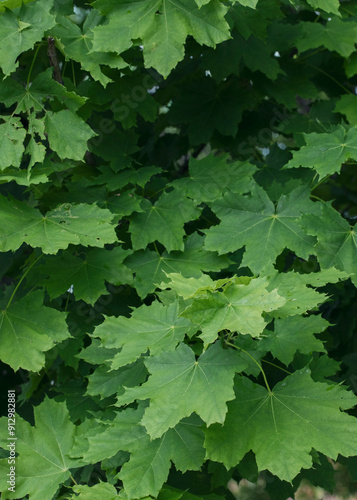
178 268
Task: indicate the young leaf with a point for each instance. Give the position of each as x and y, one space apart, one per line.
238 308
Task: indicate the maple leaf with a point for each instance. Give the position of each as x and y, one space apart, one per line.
326 5
87 275
20 30
300 297
150 267
238 307
293 334
326 152
27 330
66 224
337 240
104 381
43 463
77 45
162 25
212 175
68 134
99 490
156 328
163 221
150 460
43 87
264 230
336 35
12 136
203 386
281 427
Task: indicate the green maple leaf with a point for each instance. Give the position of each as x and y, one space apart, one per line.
281 427
27 330
139 177
20 30
335 35
212 175
300 297
43 87
76 44
337 240
347 105
326 152
293 334
264 230
68 134
150 268
162 25
100 490
87 275
179 385
156 328
12 136
67 224
326 5
43 463
164 221
123 203
239 307
37 175
150 460
105 381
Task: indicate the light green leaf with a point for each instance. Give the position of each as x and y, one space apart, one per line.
87 275
238 308
12 135
326 5
179 385
163 222
153 328
42 88
264 230
162 25
19 31
347 105
300 297
28 330
76 44
67 224
213 175
100 490
293 334
325 153
336 35
68 134
43 463
281 427
149 462
337 240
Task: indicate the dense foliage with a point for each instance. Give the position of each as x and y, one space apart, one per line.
178 267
